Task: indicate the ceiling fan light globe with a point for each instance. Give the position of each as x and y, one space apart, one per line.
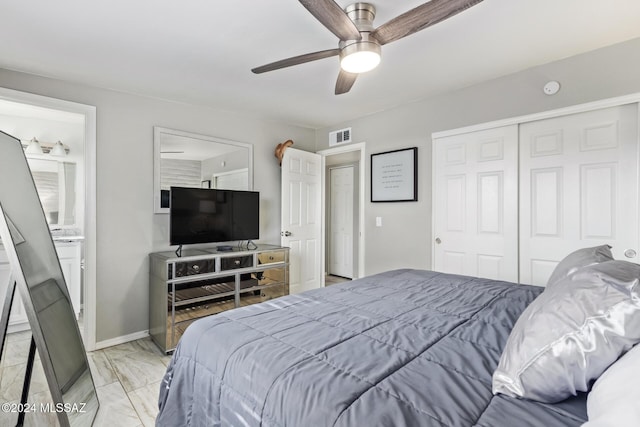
361 56
360 62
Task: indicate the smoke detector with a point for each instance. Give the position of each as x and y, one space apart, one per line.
551 88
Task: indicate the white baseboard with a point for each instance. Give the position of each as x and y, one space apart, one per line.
122 339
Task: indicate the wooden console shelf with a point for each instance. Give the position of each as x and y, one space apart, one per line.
203 282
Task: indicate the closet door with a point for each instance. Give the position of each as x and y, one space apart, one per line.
475 203
578 188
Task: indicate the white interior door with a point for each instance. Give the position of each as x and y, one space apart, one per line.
341 221
475 203
302 217
578 188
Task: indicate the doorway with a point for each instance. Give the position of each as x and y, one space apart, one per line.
23 116
344 209
341 220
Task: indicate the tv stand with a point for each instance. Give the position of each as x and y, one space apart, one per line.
203 282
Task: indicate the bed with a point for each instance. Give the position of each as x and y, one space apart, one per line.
400 348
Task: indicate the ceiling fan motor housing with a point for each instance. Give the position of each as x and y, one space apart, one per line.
362 15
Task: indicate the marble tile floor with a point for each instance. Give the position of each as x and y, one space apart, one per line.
127 379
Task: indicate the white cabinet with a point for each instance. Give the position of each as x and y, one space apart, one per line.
18 314
70 255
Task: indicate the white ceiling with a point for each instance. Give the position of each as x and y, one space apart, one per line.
201 51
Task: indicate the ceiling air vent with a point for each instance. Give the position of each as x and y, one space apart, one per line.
341 136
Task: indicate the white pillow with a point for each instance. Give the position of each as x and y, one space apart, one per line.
614 400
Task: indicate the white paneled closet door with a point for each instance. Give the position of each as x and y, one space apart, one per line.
476 203
578 188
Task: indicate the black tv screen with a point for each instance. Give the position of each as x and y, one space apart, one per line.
200 215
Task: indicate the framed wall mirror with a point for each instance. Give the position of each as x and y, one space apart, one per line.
184 159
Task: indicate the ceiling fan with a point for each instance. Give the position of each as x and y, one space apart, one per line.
360 43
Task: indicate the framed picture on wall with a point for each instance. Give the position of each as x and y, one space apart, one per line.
394 176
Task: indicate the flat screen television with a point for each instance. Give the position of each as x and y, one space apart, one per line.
199 215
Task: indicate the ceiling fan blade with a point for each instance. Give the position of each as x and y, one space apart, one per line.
301 59
331 15
420 18
345 81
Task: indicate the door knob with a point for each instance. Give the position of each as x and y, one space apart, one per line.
630 253
438 241
285 233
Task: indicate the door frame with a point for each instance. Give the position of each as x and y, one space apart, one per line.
633 98
90 207
360 147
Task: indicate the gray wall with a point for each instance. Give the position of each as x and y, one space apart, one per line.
404 240
127 228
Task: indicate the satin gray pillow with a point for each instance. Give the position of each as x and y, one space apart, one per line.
571 333
578 259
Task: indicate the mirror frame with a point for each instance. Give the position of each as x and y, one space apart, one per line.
159 131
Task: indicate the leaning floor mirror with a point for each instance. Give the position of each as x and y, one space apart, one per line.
36 271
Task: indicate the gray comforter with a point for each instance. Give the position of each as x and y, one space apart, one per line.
401 348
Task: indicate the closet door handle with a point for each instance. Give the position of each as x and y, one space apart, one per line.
438 241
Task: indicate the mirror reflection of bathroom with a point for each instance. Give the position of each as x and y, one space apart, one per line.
53 141
56 185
